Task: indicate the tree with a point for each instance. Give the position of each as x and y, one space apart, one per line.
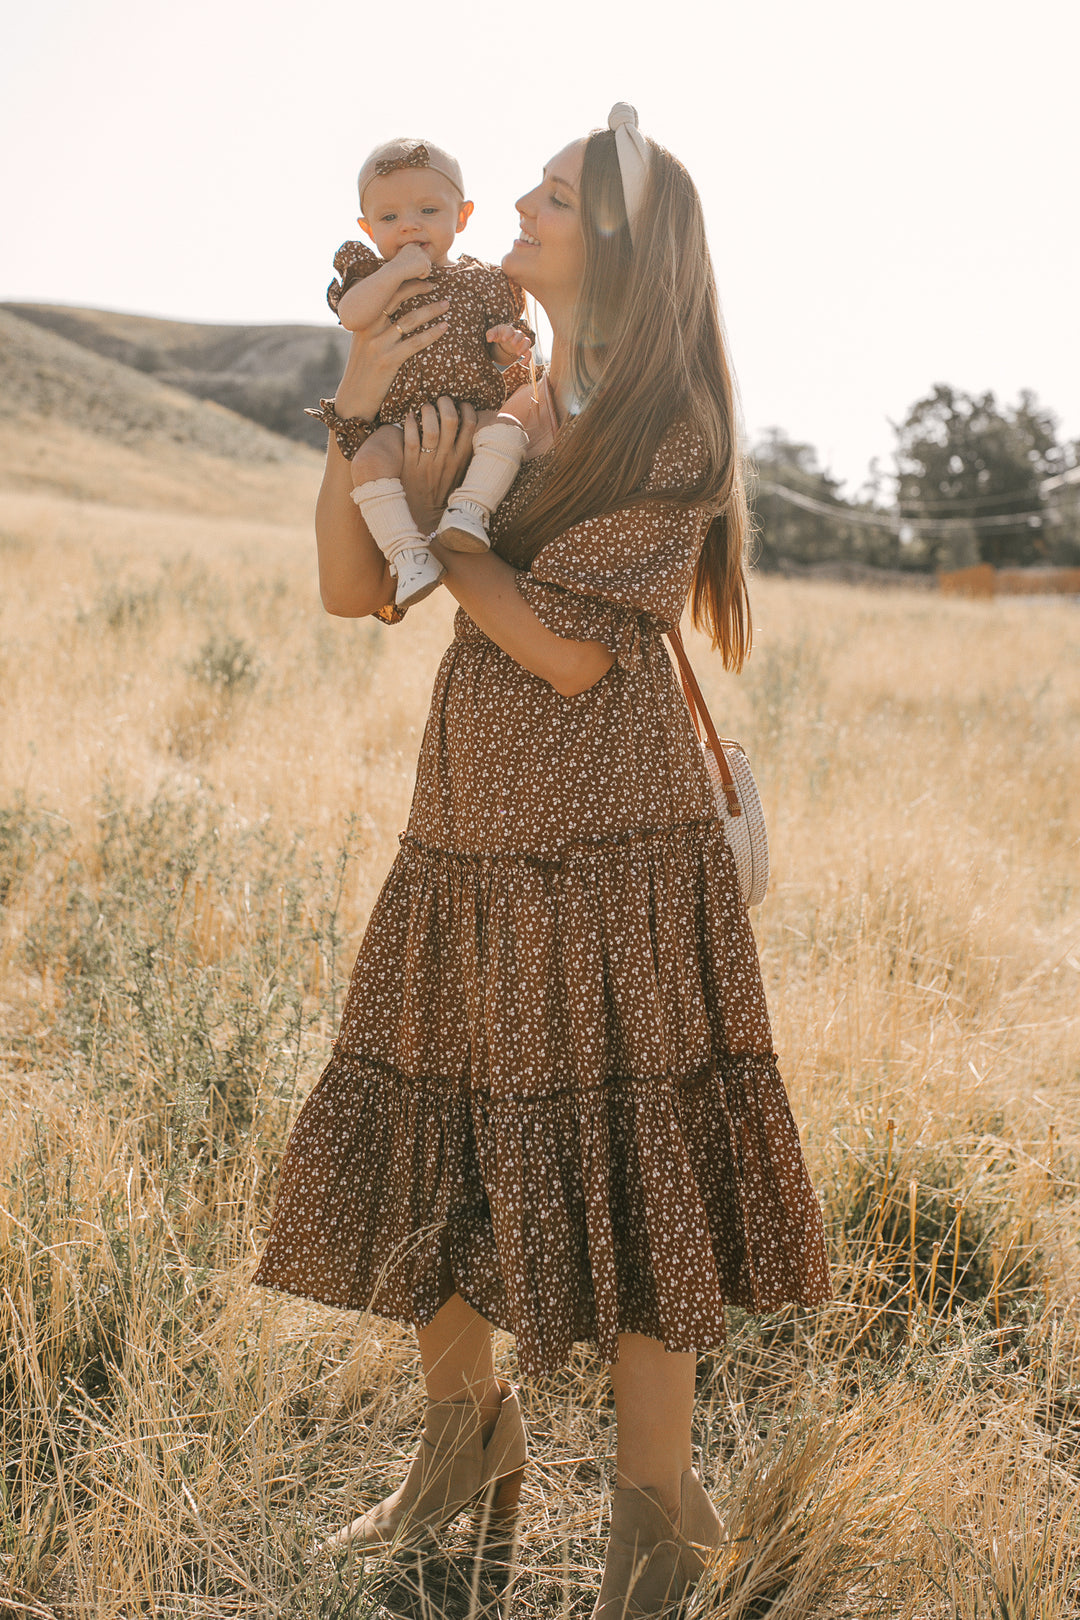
961 460
784 472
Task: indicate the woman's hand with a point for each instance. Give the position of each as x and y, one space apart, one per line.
438 449
377 353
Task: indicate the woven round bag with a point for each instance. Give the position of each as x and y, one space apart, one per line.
738 802
745 832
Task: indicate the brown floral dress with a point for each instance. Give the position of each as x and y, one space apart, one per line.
554 1089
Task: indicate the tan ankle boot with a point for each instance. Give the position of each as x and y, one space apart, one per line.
652 1563
451 1471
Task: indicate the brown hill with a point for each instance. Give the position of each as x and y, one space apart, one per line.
267 373
76 423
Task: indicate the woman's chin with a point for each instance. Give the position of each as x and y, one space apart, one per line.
516 265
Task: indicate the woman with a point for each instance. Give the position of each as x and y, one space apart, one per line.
553 1104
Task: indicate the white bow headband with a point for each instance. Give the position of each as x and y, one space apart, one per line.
633 158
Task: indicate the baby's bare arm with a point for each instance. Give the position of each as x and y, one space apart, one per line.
381 292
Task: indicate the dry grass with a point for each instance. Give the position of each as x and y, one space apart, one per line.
203 782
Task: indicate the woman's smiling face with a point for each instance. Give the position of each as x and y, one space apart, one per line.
548 258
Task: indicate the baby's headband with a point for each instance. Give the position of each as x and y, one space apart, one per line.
406 153
633 158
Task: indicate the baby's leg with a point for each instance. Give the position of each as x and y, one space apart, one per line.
393 529
497 452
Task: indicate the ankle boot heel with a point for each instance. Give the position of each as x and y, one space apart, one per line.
497 1506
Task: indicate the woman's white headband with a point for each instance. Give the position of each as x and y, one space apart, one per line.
633 158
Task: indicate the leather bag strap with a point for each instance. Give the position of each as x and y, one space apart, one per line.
699 713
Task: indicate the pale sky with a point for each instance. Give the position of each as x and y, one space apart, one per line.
891 190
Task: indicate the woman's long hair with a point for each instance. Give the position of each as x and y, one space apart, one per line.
647 353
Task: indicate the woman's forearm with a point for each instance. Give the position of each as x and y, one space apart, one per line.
354 579
485 587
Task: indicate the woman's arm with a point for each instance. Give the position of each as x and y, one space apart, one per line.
354 579
485 586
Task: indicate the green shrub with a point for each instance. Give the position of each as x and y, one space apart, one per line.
226 663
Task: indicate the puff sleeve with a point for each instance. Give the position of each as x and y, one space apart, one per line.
611 577
352 261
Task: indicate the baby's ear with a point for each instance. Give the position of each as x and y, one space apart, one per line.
367 230
463 216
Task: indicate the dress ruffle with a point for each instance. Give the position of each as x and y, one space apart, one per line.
580 1150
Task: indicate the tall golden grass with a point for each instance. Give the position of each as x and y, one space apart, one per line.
203 779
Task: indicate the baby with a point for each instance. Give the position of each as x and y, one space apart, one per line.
412 203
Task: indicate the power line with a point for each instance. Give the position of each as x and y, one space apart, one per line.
895 523
1068 477
849 515
965 500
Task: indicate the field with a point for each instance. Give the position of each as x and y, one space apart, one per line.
203 778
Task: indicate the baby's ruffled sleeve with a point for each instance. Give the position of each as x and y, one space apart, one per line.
613 576
352 261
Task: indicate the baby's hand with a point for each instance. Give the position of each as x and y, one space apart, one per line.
383 292
412 262
507 345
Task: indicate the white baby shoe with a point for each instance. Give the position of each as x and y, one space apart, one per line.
412 563
497 452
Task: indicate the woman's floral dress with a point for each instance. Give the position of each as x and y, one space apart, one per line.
554 1090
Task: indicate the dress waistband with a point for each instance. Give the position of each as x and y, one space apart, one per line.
466 629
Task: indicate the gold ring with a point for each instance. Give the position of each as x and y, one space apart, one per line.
425 450
401 335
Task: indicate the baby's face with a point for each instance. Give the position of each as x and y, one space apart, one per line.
413 205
